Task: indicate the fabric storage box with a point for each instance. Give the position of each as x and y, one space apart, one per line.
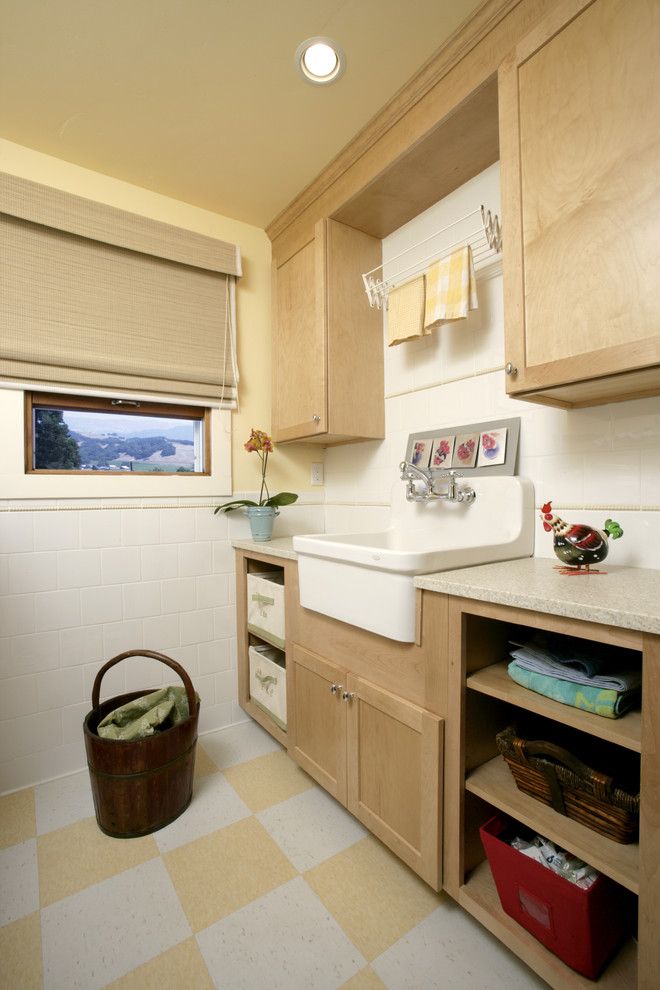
268 681
582 927
265 606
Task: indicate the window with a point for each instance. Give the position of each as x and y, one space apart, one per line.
66 433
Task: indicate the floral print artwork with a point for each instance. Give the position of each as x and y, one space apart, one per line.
492 447
441 453
465 452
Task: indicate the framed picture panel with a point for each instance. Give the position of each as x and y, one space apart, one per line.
486 449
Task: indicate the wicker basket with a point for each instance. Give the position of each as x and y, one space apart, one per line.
554 776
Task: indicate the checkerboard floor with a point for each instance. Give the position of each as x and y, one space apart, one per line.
265 881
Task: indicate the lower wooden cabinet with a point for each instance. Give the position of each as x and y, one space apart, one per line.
319 738
377 754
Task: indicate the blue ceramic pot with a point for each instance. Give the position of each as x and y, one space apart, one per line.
261 519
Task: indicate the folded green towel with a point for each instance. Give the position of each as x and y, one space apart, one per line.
143 716
600 701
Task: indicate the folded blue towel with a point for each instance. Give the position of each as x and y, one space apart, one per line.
601 701
570 660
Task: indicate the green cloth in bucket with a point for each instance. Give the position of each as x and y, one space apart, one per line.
142 717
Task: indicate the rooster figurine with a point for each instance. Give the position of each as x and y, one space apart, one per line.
579 545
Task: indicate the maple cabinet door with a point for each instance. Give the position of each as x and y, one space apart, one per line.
299 343
395 754
319 741
327 340
579 124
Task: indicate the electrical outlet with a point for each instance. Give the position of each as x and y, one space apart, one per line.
316 477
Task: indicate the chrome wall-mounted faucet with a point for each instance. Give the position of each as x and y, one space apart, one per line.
421 486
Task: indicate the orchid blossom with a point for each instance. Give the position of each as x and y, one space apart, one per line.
260 443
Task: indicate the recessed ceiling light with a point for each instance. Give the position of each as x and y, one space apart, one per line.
320 60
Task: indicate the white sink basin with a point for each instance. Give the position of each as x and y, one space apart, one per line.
366 579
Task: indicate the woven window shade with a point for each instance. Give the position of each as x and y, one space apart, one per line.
80 311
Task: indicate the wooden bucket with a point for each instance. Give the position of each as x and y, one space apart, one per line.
140 785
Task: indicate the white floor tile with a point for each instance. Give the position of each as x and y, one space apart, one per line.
63 802
285 940
311 827
18 881
105 931
238 744
215 804
449 950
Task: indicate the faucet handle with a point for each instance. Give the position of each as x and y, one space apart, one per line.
451 474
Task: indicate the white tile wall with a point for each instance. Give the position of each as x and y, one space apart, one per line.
119 565
32 572
592 463
100 529
17 533
79 585
78 568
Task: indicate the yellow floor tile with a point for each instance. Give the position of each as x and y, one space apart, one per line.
179 967
79 855
20 951
17 818
204 765
366 979
221 872
268 780
375 898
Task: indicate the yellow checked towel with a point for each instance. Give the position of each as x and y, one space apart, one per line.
451 289
405 312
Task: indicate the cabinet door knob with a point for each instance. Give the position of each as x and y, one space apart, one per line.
316 418
335 688
349 696
511 369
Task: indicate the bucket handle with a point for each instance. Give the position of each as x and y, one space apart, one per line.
176 667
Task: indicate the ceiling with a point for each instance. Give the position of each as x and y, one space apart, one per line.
199 99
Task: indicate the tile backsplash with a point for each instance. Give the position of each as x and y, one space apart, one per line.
80 583
592 463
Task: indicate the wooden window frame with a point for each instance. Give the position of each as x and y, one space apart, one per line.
80 403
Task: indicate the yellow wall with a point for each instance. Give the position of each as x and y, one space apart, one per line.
289 468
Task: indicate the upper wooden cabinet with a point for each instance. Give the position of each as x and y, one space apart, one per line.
580 171
327 341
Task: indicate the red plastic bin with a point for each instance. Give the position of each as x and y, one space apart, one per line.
582 927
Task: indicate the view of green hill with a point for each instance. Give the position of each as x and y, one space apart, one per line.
107 450
59 447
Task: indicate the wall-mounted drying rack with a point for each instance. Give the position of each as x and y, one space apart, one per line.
486 244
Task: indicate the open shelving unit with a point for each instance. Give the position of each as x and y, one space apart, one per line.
251 562
486 700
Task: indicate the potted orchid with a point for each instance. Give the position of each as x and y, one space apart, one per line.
262 513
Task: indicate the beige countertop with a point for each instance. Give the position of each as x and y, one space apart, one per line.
628 597
282 547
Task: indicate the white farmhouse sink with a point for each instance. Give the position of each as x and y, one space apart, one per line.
366 579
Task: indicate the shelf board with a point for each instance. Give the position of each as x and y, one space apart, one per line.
265 638
260 716
495 681
493 782
479 896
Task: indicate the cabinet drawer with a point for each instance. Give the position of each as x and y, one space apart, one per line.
265 606
268 681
